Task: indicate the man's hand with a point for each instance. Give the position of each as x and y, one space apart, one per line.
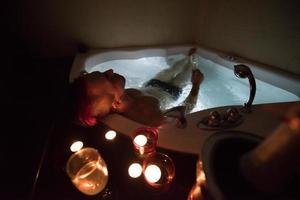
197 77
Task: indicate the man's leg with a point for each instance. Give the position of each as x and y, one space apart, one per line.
183 78
167 75
170 75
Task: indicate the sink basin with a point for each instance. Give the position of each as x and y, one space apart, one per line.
220 157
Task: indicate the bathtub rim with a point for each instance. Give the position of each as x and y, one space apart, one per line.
269 74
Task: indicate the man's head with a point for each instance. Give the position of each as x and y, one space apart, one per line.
96 94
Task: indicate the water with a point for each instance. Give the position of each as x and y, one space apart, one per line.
219 88
91 178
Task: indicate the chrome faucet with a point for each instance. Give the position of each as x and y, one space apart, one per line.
243 71
180 119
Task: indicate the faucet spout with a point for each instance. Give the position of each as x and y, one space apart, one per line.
243 71
177 113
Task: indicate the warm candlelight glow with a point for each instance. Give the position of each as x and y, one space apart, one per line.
200 175
88 171
196 193
91 178
152 173
135 170
110 135
76 146
140 140
144 141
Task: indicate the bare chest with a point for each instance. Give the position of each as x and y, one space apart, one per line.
143 108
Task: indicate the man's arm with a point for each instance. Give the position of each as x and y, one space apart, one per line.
191 99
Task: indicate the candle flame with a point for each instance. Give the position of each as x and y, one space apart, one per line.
110 135
152 173
76 146
135 170
140 140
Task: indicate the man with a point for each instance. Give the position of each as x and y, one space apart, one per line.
98 94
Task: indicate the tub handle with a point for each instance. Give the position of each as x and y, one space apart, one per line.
243 71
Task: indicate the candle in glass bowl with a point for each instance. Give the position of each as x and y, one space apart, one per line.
140 140
145 140
158 170
88 171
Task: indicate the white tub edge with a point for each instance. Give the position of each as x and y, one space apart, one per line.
271 75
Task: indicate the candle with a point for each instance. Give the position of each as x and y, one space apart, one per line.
200 175
110 135
144 140
91 179
140 140
158 170
76 146
152 173
135 170
88 171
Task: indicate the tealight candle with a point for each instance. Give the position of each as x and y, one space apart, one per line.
158 170
140 140
145 140
110 135
76 146
135 170
152 173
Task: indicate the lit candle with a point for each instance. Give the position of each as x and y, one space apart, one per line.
152 173
140 140
110 135
135 170
200 175
76 146
144 140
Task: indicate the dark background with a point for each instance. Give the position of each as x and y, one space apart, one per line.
32 91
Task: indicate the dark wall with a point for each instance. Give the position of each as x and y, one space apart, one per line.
267 31
32 92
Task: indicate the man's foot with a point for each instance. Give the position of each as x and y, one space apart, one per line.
192 51
193 58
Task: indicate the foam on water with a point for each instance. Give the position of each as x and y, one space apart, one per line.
219 88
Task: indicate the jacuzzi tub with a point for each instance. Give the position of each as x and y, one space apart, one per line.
219 96
219 88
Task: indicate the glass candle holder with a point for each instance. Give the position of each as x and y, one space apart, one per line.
144 140
158 170
87 171
199 191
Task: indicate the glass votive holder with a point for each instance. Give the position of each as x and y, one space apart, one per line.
144 140
87 171
199 191
158 170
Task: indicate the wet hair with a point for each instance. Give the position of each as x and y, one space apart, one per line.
86 107
80 102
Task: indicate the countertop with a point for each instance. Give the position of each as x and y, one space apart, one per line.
262 121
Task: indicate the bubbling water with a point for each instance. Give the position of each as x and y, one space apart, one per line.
220 86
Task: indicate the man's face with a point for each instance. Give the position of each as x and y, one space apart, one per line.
117 83
107 84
